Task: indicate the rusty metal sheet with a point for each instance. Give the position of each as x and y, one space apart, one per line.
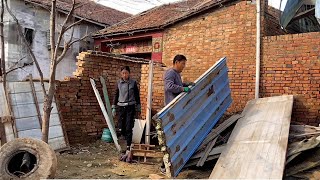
185 122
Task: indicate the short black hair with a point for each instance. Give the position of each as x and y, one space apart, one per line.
178 58
125 68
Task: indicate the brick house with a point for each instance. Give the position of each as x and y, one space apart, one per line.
205 31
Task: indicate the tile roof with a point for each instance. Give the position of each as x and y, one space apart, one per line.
160 16
90 10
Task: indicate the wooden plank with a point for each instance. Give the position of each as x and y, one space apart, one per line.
214 151
143 146
11 113
138 130
257 146
220 128
149 103
193 162
206 152
3 138
148 154
35 99
105 114
106 99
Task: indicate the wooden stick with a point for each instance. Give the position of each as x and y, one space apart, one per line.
105 114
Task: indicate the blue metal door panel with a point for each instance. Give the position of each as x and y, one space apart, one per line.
184 123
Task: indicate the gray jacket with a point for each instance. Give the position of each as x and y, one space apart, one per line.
127 93
172 85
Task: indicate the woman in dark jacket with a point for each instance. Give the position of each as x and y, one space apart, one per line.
127 98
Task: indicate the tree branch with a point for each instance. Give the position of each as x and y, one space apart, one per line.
63 29
17 62
25 42
68 45
20 67
53 31
73 24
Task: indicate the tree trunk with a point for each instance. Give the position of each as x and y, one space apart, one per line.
47 105
2 60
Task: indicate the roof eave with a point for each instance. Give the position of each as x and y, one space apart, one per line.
166 24
74 15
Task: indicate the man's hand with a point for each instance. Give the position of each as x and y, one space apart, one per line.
186 89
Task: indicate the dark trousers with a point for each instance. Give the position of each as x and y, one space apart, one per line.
127 122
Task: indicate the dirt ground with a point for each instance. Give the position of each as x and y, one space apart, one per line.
99 160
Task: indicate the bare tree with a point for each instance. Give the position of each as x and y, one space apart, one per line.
55 58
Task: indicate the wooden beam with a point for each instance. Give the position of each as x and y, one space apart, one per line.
106 99
216 131
35 99
214 151
149 103
193 162
304 14
206 152
3 138
105 114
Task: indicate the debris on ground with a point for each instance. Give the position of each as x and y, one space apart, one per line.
303 155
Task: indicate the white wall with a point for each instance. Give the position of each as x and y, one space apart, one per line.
37 18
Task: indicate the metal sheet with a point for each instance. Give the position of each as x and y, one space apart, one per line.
185 122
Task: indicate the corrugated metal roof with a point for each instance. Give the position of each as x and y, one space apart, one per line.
184 123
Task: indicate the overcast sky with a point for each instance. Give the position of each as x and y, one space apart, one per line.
137 6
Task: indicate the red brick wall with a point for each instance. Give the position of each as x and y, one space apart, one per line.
228 31
158 88
291 65
81 112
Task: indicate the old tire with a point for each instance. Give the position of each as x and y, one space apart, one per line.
43 159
